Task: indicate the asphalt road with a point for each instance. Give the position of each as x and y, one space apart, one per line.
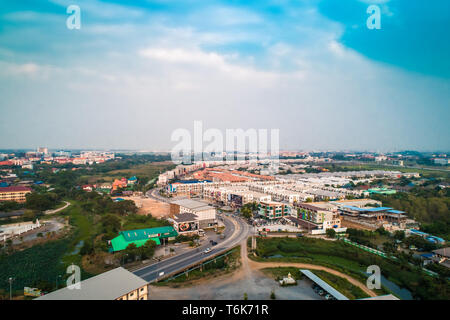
236 231
154 194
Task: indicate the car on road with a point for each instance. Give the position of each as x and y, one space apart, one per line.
207 250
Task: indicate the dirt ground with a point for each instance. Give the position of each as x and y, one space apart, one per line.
150 206
350 224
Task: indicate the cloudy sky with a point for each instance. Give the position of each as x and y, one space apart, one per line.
137 70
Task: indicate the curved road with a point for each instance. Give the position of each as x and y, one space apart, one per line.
154 194
57 210
236 231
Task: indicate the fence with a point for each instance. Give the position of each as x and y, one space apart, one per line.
201 264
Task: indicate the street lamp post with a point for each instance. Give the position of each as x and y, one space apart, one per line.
10 280
123 257
57 277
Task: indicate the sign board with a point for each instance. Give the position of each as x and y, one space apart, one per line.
31 292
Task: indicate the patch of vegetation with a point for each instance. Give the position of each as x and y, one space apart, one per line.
37 266
354 262
431 207
215 268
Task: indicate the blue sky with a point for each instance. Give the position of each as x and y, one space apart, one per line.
137 70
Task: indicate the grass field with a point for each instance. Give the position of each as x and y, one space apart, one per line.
342 285
426 172
149 170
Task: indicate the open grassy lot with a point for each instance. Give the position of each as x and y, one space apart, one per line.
341 284
149 170
426 172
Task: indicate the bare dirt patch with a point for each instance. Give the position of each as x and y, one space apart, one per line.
147 206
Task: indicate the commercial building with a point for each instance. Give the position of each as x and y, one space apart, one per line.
116 284
442 256
312 216
273 210
204 213
187 187
185 223
140 236
442 161
375 215
16 193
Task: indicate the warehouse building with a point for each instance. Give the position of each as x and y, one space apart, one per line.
116 284
140 236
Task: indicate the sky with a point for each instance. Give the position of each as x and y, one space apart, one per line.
138 70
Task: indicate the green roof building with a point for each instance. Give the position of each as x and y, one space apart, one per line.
381 191
140 236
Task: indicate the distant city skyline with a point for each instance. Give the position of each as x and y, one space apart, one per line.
137 71
349 151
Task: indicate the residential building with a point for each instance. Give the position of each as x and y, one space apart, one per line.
15 193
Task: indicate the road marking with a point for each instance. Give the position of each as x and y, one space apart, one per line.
199 254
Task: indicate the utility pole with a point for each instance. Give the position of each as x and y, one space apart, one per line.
56 282
10 280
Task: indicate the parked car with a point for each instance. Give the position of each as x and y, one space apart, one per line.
321 292
328 296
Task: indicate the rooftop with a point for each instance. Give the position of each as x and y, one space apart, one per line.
185 217
192 204
15 189
106 286
324 285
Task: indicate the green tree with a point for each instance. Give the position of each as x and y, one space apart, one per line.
110 223
272 295
331 233
399 235
148 249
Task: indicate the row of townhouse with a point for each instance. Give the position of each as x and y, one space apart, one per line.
178 171
234 195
